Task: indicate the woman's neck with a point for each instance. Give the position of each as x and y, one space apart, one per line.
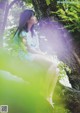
29 27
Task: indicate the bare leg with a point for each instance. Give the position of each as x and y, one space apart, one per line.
51 77
43 60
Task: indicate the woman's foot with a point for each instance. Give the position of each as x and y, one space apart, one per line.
49 99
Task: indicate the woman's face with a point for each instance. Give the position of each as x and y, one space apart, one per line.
33 20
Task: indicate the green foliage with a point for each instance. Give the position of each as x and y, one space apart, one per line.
59 99
28 1
69 14
48 2
20 96
22 85
63 68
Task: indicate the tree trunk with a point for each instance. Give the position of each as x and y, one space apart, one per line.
40 7
3 6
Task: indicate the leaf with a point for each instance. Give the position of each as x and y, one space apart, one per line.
48 2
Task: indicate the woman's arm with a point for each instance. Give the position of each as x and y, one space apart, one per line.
30 49
23 36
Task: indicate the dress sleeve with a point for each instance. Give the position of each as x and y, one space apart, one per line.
23 34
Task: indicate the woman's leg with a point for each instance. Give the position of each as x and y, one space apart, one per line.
51 77
51 80
43 60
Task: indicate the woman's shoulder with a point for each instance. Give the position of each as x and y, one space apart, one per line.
23 33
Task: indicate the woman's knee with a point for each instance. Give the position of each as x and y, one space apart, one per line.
42 60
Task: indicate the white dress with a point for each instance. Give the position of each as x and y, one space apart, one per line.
33 42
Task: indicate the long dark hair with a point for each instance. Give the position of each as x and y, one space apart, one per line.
24 17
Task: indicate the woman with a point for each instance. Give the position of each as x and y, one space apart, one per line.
29 42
